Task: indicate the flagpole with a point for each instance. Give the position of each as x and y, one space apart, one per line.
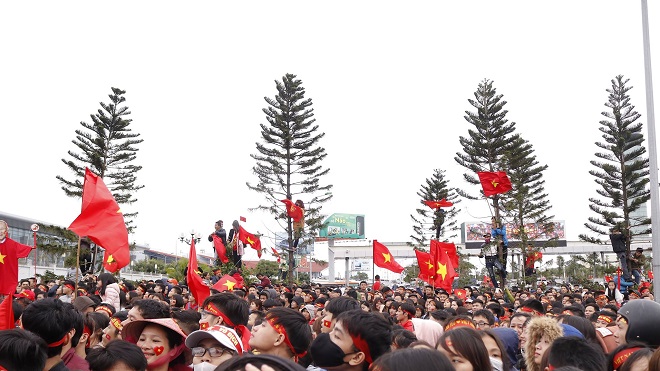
77 267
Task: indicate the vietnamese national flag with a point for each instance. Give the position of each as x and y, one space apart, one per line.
293 211
220 249
426 267
494 182
7 313
276 254
249 239
448 248
460 293
444 270
195 284
384 259
102 222
225 283
438 204
10 252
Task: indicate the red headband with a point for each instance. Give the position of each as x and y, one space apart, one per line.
281 330
244 332
70 286
621 357
605 318
460 323
116 323
104 310
362 346
530 310
59 342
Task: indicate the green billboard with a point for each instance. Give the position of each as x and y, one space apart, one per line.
343 226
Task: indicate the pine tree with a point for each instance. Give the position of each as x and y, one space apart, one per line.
486 144
429 223
288 161
108 148
621 171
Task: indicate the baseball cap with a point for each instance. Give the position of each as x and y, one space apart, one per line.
224 335
25 294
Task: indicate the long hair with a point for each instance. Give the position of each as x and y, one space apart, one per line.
106 279
467 343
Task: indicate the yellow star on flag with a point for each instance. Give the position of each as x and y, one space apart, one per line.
429 264
118 211
442 270
249 240
494 182
110 258
230 285
2 258
387 257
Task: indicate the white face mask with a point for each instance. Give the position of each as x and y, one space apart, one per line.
496 364
204 366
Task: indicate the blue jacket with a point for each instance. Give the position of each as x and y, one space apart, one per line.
500 232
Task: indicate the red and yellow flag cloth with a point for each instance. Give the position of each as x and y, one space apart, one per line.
384 259
293 211
438 204
220 249
426 271
102 222
7 313
444 269
249 239
494 182
195 284
225 283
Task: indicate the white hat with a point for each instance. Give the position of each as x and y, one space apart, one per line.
224 335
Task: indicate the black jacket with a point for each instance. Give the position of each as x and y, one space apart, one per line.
618 242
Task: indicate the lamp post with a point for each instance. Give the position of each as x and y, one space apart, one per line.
193 237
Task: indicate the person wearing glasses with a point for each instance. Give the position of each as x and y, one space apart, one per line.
213 347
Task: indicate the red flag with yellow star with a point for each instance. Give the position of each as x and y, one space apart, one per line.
384 259
249 239
225 283
438 204
444 270
7 313
293 211
426 271
102 222
195 284
494 182
448 248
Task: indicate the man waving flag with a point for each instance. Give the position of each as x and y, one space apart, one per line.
384 259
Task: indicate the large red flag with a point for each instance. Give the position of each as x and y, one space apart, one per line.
425 263
249 239
438 204
384 259
7 313
195 284
225 283
293 211
102 222
220 249
494 182
448 248
444 270
10 252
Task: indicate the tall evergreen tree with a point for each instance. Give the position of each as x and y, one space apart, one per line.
288 160
487 142
108 147
621 171
428 222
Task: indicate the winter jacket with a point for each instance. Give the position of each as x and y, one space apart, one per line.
111 296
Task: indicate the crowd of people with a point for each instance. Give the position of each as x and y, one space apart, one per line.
102 324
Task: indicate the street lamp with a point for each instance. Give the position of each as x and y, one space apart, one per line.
193 237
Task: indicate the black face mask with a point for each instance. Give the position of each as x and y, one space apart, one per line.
325 353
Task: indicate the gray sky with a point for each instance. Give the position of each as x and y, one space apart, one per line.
389 81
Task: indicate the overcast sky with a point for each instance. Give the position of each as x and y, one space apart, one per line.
389 80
